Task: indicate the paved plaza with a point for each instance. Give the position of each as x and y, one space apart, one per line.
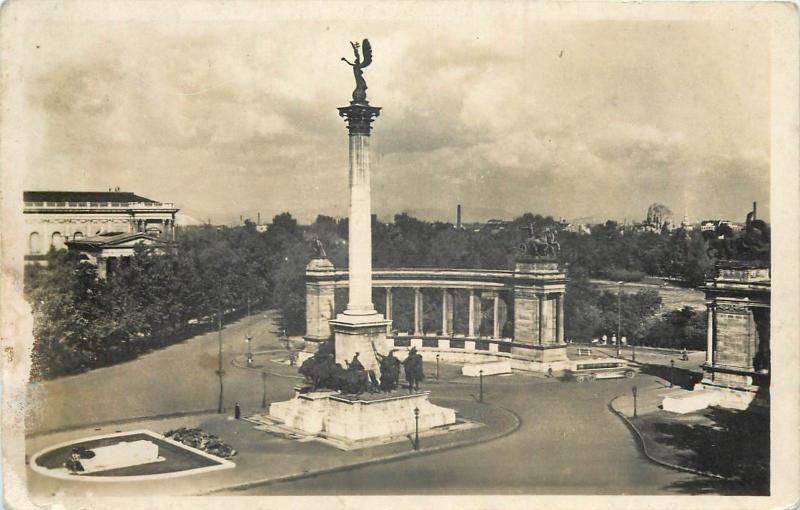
539 435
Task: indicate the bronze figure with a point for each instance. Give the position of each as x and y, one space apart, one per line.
360 92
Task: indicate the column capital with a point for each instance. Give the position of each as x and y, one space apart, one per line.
359 117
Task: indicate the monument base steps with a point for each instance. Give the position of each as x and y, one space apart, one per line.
348 422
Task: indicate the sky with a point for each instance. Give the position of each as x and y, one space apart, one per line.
498 108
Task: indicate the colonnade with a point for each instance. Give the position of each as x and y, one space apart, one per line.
448 300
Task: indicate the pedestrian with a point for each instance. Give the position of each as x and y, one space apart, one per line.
237 411
550 372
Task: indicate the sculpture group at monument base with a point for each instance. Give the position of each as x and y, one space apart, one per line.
352 419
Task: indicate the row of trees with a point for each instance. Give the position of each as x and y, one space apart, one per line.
155 299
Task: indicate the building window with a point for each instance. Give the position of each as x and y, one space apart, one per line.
35 242
57 240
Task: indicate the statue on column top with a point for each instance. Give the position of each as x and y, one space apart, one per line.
360 93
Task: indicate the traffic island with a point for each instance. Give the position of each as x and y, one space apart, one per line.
263 458
730 448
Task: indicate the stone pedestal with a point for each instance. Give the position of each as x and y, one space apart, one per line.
363 334
320 287
352 419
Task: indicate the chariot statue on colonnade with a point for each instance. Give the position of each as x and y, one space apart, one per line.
541 245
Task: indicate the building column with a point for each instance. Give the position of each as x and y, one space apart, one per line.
447 312
474 318
496 317
710 336
389 310
417 311
560 318
540 318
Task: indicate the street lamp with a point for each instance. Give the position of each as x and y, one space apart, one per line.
671 371
634 390
619 319
249 338
220 372
264 386
480 377
437 367
416 428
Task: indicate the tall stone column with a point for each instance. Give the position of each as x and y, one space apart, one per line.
560 318
474 319
389 307
540 318
447 312
496 317
360 329
417 311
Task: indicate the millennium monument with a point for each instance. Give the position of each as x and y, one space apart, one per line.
339 412
360 329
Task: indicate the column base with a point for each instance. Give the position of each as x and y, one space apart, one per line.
363 334
546 353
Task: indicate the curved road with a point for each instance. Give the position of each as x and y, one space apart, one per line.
569 442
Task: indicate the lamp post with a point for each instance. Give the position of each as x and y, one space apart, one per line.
437 367
249 338
416 428
220 372
671 371
619 319
634 390
480 393
264 386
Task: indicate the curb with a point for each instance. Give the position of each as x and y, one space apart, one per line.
370 462
166 416
643 446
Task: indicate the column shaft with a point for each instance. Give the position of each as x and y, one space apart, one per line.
417 311
710 336
560 318
447 312
474 313
496 317
540 321
389 309
360 229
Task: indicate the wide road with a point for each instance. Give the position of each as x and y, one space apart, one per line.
178 378
569 442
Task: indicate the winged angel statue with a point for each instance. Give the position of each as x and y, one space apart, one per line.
360 93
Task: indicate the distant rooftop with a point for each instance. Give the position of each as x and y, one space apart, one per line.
83 196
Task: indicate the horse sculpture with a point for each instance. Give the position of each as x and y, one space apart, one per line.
322 372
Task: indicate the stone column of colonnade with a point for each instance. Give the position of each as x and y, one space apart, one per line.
447 312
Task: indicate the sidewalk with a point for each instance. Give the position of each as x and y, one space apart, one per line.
657 430
263 458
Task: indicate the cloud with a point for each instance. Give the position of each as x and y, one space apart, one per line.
498 113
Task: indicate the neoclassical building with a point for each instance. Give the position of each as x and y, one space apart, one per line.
54 217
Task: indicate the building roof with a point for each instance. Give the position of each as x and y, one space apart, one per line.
83 196
114 239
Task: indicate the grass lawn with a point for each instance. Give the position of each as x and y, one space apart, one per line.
176 458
